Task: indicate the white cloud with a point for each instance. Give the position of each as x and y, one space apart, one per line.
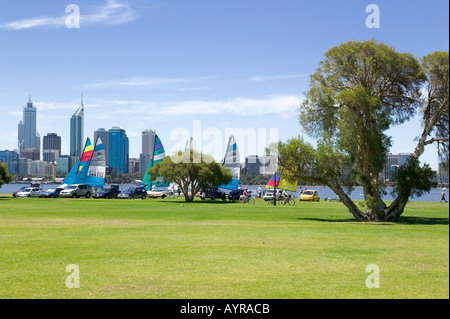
113 12
135 82
280 105
261 78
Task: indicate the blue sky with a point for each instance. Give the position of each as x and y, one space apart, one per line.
164 64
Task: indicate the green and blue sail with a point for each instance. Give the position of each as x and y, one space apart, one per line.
158 156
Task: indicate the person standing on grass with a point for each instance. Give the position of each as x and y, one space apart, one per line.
259 191
443 196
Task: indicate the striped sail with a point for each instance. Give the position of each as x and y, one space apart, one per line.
87 155
232 162
97 168
158 156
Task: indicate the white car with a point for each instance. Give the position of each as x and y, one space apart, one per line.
29 192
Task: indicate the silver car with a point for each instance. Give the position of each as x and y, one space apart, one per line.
77 190
29 192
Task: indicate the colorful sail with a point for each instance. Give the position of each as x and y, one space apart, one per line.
232 162
87 155
97 167
158 156
274 181
282 183
287 184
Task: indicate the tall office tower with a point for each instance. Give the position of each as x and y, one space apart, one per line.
27 133
148 144
118 149
51 147
103 134
77 132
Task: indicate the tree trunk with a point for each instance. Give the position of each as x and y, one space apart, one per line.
352 208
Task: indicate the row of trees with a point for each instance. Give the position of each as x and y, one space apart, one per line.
358 92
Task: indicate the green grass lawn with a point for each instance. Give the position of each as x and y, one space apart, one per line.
158 249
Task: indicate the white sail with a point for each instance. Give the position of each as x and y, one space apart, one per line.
232 162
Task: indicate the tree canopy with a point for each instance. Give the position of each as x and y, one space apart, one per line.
5 177
357 93
191 171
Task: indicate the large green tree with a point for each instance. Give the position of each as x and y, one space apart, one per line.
191 171
357 93
5 177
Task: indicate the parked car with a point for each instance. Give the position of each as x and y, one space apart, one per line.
29 192
269 195
51 193
212 193
20 190
133 192
111 191
235 194
77 190
310 195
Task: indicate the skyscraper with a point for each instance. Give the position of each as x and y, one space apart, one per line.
118 149
148 141
27 132
77 132
51 147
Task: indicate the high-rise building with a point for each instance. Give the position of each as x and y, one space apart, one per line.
51 147
148 145
77 132
104 136
63 165
28 137
30 153
11 159
118 149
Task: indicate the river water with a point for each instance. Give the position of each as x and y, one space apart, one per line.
324 192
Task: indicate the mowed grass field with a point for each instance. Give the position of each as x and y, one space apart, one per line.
157 248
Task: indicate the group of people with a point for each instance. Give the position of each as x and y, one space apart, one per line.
282 194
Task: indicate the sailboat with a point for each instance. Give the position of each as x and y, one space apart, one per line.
71 178
91 169
97 167
231 160
158 156
83 166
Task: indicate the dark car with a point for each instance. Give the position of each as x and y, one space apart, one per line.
51 193
212 193
133 192
107 192
235 194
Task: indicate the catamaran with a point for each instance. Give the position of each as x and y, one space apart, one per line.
158 156
91 169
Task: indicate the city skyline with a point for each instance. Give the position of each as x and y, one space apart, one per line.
163 66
